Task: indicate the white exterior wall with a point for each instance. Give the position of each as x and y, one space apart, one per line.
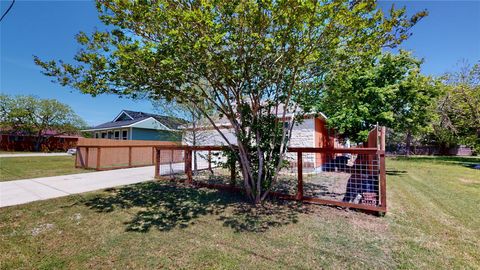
303 135
210 137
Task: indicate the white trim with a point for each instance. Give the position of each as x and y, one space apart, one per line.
120 114
119 134
164 127
123 138
99 129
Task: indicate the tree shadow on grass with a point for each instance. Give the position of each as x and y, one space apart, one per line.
165 206
275 213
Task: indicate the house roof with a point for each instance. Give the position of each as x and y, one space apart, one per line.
169 122
225 123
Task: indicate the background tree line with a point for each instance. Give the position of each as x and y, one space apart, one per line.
441 112
40 118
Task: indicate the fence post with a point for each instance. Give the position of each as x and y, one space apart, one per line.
232 174
99 151
129 156
383 183
153 154
299 176
78 158
157 163
382 138
210 160
188 165
86 156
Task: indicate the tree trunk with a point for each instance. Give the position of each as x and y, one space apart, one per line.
253 180
408 143
194 142
38 142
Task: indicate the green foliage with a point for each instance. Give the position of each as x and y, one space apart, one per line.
458 120
30 115
389 91
235 57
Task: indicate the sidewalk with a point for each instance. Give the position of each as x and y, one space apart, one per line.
35 189
33 155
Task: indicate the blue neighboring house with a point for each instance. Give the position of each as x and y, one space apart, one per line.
132 125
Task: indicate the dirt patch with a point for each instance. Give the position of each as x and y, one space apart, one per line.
42 228
357 219
469 181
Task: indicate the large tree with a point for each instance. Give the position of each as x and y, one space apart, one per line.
388 91
459 108
33 116
254 62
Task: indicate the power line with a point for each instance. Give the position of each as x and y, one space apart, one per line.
8 9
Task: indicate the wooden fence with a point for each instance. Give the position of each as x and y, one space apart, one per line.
353 177
376 138
106 154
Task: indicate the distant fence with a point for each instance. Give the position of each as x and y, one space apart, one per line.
350 177
433 150
27 143
106 154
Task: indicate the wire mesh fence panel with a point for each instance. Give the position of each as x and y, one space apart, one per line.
287 180
352 177
212 168
344 177
171 163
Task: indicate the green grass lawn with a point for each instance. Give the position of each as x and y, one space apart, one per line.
13 168
433 223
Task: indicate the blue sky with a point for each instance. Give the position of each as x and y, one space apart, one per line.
449 34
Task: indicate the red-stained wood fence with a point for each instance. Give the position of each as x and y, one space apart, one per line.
356 176
106 154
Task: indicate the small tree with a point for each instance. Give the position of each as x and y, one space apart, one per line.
33 116
256 63
193 134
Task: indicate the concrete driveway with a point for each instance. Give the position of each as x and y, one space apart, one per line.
35 189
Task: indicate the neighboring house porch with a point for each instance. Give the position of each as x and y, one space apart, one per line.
133 125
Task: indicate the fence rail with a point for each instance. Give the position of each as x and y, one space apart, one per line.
346 177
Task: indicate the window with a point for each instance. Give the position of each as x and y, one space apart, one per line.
104 135
124 134
110 135
96 135
117 135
